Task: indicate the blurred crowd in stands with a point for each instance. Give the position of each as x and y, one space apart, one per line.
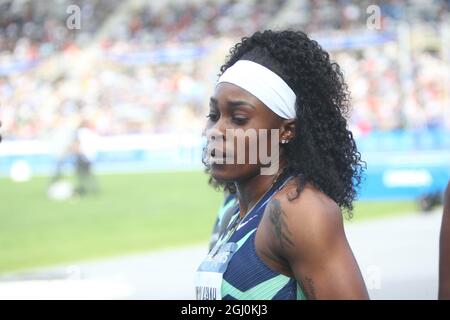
147 67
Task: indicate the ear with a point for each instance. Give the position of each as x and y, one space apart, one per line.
287 131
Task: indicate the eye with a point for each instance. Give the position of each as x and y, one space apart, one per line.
213 116
240 120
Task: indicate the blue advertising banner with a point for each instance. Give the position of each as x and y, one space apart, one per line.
400 165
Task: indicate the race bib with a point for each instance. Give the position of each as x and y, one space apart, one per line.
209 276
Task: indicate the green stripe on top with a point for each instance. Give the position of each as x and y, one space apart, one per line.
244 238
225 237
233 219
300 294
264 291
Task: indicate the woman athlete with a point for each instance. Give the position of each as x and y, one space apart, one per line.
281 235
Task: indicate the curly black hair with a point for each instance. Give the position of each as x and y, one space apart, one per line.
323 151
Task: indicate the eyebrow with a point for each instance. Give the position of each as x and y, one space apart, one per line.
234 103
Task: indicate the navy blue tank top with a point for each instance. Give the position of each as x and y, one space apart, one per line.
246 276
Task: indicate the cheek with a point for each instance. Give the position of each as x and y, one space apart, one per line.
253 144
208 126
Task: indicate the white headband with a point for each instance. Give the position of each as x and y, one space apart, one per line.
264 84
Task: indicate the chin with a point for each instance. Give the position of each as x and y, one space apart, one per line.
224 172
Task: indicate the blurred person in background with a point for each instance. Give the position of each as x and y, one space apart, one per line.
444 254
61 140
85 149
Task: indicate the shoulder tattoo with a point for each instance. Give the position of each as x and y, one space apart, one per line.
280 227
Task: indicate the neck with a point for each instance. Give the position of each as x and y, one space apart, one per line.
251 190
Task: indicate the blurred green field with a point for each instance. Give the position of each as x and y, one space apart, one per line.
133 213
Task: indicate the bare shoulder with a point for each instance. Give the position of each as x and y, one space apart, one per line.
307 220
310 205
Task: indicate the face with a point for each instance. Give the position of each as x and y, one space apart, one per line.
236 116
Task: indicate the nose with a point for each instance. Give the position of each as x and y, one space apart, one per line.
218 129
213 135
221 125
